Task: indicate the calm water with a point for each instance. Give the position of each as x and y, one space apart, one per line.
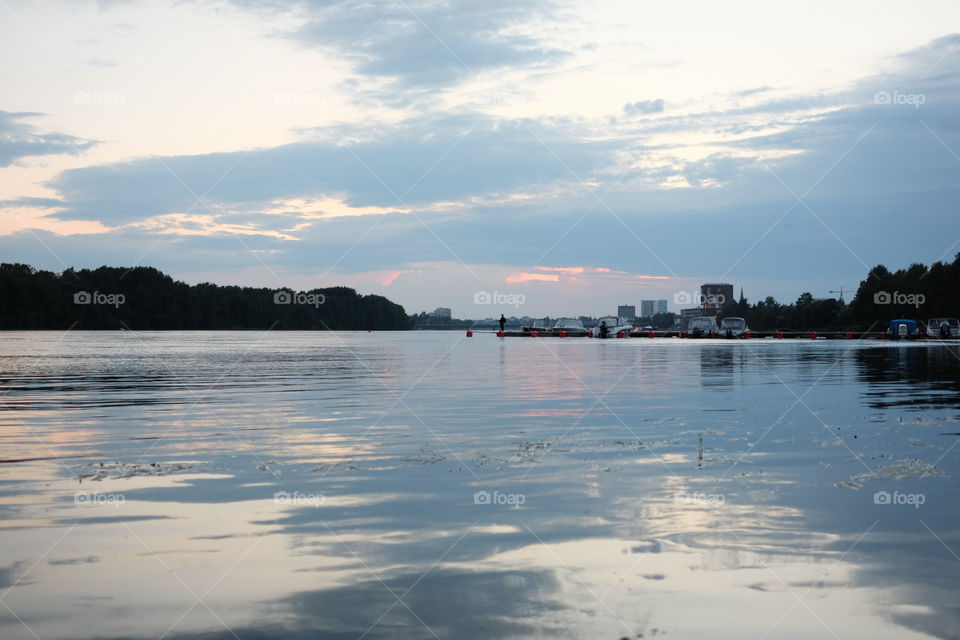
421 485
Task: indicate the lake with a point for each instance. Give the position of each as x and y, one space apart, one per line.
428 485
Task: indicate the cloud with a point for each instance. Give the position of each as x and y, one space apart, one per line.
429 43
19 139
564 270
438 159
643 107
515 278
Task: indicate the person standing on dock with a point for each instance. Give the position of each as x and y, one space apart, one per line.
503 321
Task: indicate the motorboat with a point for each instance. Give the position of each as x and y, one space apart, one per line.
569 326
540 326
943 328
701 327
902 328
611 326
733 327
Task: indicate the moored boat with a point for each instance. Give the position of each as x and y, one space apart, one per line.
569 327
611 327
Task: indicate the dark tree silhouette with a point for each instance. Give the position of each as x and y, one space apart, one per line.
145 298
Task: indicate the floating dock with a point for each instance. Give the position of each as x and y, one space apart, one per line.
752 335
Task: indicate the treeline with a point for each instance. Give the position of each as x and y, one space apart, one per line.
917 292
145 298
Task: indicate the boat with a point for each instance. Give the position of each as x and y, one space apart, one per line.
902 328
540 326
569 326
701 327
614 326
733 327
943 328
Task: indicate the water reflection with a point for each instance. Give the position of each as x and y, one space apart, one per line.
423 484
911 375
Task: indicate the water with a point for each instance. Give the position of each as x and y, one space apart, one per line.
421 485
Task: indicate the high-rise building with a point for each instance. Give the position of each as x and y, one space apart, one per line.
715 295
627 311
661 306
646 308
441 312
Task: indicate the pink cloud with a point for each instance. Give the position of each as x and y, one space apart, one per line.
514 278
567 270
390 276
642 277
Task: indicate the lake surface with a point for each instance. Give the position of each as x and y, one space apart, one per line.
427 485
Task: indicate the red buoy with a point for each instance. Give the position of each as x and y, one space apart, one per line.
746 334
469 333
563 334
813 335
779 334
621 334
713 334
534 334
589 333
683 334
849 335
500 334
650 334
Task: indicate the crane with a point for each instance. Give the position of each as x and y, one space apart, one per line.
840 291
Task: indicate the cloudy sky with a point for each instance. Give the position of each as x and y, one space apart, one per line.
582 154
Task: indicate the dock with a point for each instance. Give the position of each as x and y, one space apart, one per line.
752 335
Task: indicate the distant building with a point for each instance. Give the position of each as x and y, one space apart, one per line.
627 311
662 306
646 308
441 313
715 295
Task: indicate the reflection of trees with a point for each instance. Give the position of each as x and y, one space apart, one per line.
910 376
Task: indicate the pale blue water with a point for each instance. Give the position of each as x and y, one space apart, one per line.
421 485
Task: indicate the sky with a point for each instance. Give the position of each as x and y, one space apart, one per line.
552 158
